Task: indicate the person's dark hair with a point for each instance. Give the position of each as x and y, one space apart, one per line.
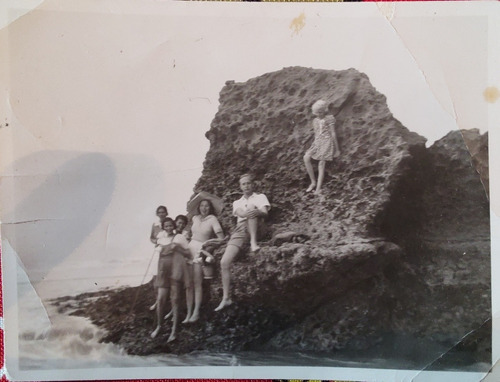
211 210
167 220
162 208
183 218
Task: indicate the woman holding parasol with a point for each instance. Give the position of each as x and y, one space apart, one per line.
205 226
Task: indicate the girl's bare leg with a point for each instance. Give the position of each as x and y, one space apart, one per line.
189 302
321 175
153 307
198 291
225 265
310 172
161 301
174 298
168 315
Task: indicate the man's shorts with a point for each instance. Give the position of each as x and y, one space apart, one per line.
240 236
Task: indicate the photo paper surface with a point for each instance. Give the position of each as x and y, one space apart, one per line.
332 162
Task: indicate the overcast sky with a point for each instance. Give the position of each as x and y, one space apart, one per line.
136 85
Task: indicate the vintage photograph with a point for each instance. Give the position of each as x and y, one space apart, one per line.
242 190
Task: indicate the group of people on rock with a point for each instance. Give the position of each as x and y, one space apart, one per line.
180 249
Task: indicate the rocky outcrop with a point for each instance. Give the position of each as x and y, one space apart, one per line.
263 126
448 251
397 244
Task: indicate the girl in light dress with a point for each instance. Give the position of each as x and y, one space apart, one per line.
325 146
205 226
162 214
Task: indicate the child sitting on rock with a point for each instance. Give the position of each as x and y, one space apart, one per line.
325 146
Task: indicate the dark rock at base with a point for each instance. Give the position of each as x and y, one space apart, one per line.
442 286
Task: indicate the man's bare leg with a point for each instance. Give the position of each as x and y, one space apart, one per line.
225 265
253 225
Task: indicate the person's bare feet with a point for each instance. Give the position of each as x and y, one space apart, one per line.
186 320
168 315
254 248
171 337
194 317
155 332
311 187
153 307
223 304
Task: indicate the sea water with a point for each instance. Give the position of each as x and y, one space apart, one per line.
49 339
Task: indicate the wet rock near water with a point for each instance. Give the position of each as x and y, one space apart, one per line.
397 243
128 322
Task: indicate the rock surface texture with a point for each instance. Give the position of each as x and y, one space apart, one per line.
397 245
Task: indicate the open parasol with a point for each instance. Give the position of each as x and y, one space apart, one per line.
192 206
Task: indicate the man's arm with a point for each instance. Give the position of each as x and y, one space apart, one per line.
261 209
258 212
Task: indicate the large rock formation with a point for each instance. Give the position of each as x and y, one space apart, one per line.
396 247
264 127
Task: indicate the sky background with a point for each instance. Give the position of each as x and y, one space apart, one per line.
123 94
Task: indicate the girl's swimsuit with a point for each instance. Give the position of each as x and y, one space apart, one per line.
202 229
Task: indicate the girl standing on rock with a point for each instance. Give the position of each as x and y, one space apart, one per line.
174 247
325 146
161 213
181 222
205 227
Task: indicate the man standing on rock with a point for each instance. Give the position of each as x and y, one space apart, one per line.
249 210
